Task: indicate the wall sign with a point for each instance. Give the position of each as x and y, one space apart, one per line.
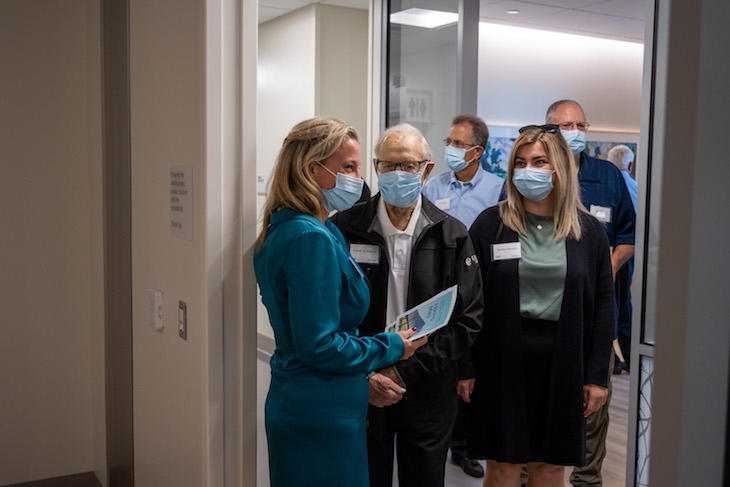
181 202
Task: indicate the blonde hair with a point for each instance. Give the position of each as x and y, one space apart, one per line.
566 189
292 185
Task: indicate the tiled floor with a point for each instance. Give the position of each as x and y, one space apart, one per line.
614 467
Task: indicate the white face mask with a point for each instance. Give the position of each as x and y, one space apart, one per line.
576 139
532 183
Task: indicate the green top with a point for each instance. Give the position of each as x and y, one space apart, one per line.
542 270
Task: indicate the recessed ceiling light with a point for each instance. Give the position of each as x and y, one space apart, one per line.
419 17
513 12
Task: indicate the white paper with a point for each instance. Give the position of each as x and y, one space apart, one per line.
428 316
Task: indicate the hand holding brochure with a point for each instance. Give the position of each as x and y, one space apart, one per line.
428 316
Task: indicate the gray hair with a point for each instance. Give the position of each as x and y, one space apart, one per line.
406 129
552 108
621 156
479 130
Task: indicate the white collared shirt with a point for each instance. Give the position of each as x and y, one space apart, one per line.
400 245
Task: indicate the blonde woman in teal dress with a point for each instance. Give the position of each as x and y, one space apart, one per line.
316 296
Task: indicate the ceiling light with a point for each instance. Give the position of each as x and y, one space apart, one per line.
419 17
513 12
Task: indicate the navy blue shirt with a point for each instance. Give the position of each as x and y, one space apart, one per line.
604 194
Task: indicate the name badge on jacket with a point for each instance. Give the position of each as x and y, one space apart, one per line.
443 204
506 251
602 213
365 253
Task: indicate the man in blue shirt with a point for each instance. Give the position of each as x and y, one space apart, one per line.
464 192
604 194
466 189
623 158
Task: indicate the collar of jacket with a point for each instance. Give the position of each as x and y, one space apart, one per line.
367 219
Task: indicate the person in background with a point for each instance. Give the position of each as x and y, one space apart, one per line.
317 403
464 192
623 158
604 194
541 360
410 250
466 189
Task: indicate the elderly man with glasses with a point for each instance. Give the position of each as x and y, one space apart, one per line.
410 250
604 194
466 189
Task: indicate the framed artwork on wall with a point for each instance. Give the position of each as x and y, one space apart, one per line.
501 139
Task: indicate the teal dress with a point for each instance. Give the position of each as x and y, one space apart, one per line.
316 408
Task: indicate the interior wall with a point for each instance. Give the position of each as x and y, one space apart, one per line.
522 71
168 129
51 284
690 401
342 67
305 68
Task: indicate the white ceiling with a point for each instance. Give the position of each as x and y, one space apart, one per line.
614 19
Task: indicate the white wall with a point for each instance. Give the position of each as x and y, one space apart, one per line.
522 71
312 61
51 287
178 396
690 402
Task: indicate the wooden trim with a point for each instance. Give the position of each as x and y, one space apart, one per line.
117 181
86 479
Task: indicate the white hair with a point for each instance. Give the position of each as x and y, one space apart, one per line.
404 128
621 156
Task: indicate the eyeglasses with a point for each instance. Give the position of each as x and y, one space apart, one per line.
457 143
580 126
549 128
405 166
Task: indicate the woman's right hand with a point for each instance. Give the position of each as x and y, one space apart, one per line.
411 346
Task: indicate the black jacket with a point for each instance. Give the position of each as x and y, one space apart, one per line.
498 428
443 255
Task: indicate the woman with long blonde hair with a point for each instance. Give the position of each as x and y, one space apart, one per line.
316 296
541 360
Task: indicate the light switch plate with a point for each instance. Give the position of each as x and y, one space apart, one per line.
154 311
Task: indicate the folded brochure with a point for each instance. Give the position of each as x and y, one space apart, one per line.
428 316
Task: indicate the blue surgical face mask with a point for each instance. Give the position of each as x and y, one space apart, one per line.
455 158
576 139
533 184
399 188
346 192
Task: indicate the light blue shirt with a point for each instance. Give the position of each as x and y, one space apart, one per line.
464 201
632 186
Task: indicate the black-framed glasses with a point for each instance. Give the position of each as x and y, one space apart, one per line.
405 166
457 143
549 128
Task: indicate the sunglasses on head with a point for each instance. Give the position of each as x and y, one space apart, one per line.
549 128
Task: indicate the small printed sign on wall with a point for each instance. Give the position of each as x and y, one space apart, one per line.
181 202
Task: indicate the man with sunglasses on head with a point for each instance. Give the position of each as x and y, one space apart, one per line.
410 250
604 194
466 189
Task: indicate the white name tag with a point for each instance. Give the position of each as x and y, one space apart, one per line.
365 253
601 213
506 251
443 204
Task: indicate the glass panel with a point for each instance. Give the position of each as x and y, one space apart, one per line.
423 72
643 436
652 252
